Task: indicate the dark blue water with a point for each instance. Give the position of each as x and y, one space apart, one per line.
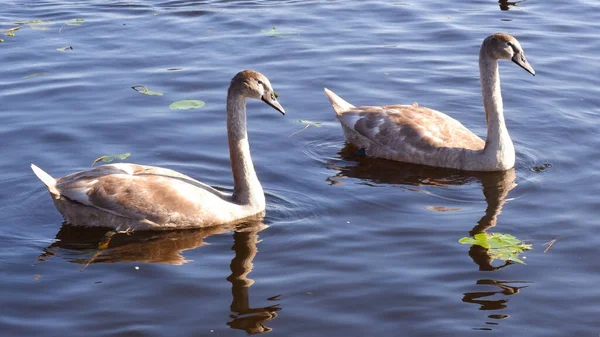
350 246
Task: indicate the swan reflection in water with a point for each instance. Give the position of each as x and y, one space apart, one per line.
100 245
505 4
496 186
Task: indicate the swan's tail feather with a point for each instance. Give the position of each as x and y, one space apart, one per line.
47 180
338 104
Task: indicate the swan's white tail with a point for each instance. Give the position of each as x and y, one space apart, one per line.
338 104
47 180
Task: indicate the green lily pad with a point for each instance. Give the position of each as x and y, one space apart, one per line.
186 104
142 89
108 159
500 246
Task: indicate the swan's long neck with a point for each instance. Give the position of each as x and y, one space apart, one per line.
498 145
247 188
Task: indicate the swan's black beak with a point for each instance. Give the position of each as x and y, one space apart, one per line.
271 99
521 61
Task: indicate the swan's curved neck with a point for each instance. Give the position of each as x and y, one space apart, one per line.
247 188
498 145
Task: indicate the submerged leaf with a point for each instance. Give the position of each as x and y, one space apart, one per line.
108 159
74 22
144 90
35 75
186 104
30 22
273 33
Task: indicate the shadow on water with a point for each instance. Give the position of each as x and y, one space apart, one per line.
495 186
100 245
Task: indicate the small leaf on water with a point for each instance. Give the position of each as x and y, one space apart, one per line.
35 75
142 89
108 159
307 124
1 40
311 123
123 156
14 29
174 69
65 48
186 104
9 34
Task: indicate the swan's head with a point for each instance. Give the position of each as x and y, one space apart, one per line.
502 46
252 84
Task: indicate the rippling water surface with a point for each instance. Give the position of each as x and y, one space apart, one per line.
350 246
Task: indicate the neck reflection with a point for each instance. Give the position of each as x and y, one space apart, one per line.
92 245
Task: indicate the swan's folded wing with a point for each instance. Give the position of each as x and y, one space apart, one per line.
409 128
117 189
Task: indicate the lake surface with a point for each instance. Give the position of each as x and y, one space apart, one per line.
350 246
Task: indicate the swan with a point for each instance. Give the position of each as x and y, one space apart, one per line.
415 134
129 197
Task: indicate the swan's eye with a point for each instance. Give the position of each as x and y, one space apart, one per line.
274 95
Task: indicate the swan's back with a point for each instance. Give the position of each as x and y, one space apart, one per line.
408 133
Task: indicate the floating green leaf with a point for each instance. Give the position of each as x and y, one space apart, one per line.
500 246
108 159
65 48
273 33
186 104
1 40
144 90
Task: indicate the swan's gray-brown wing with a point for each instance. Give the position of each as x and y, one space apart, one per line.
138 192
409 128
